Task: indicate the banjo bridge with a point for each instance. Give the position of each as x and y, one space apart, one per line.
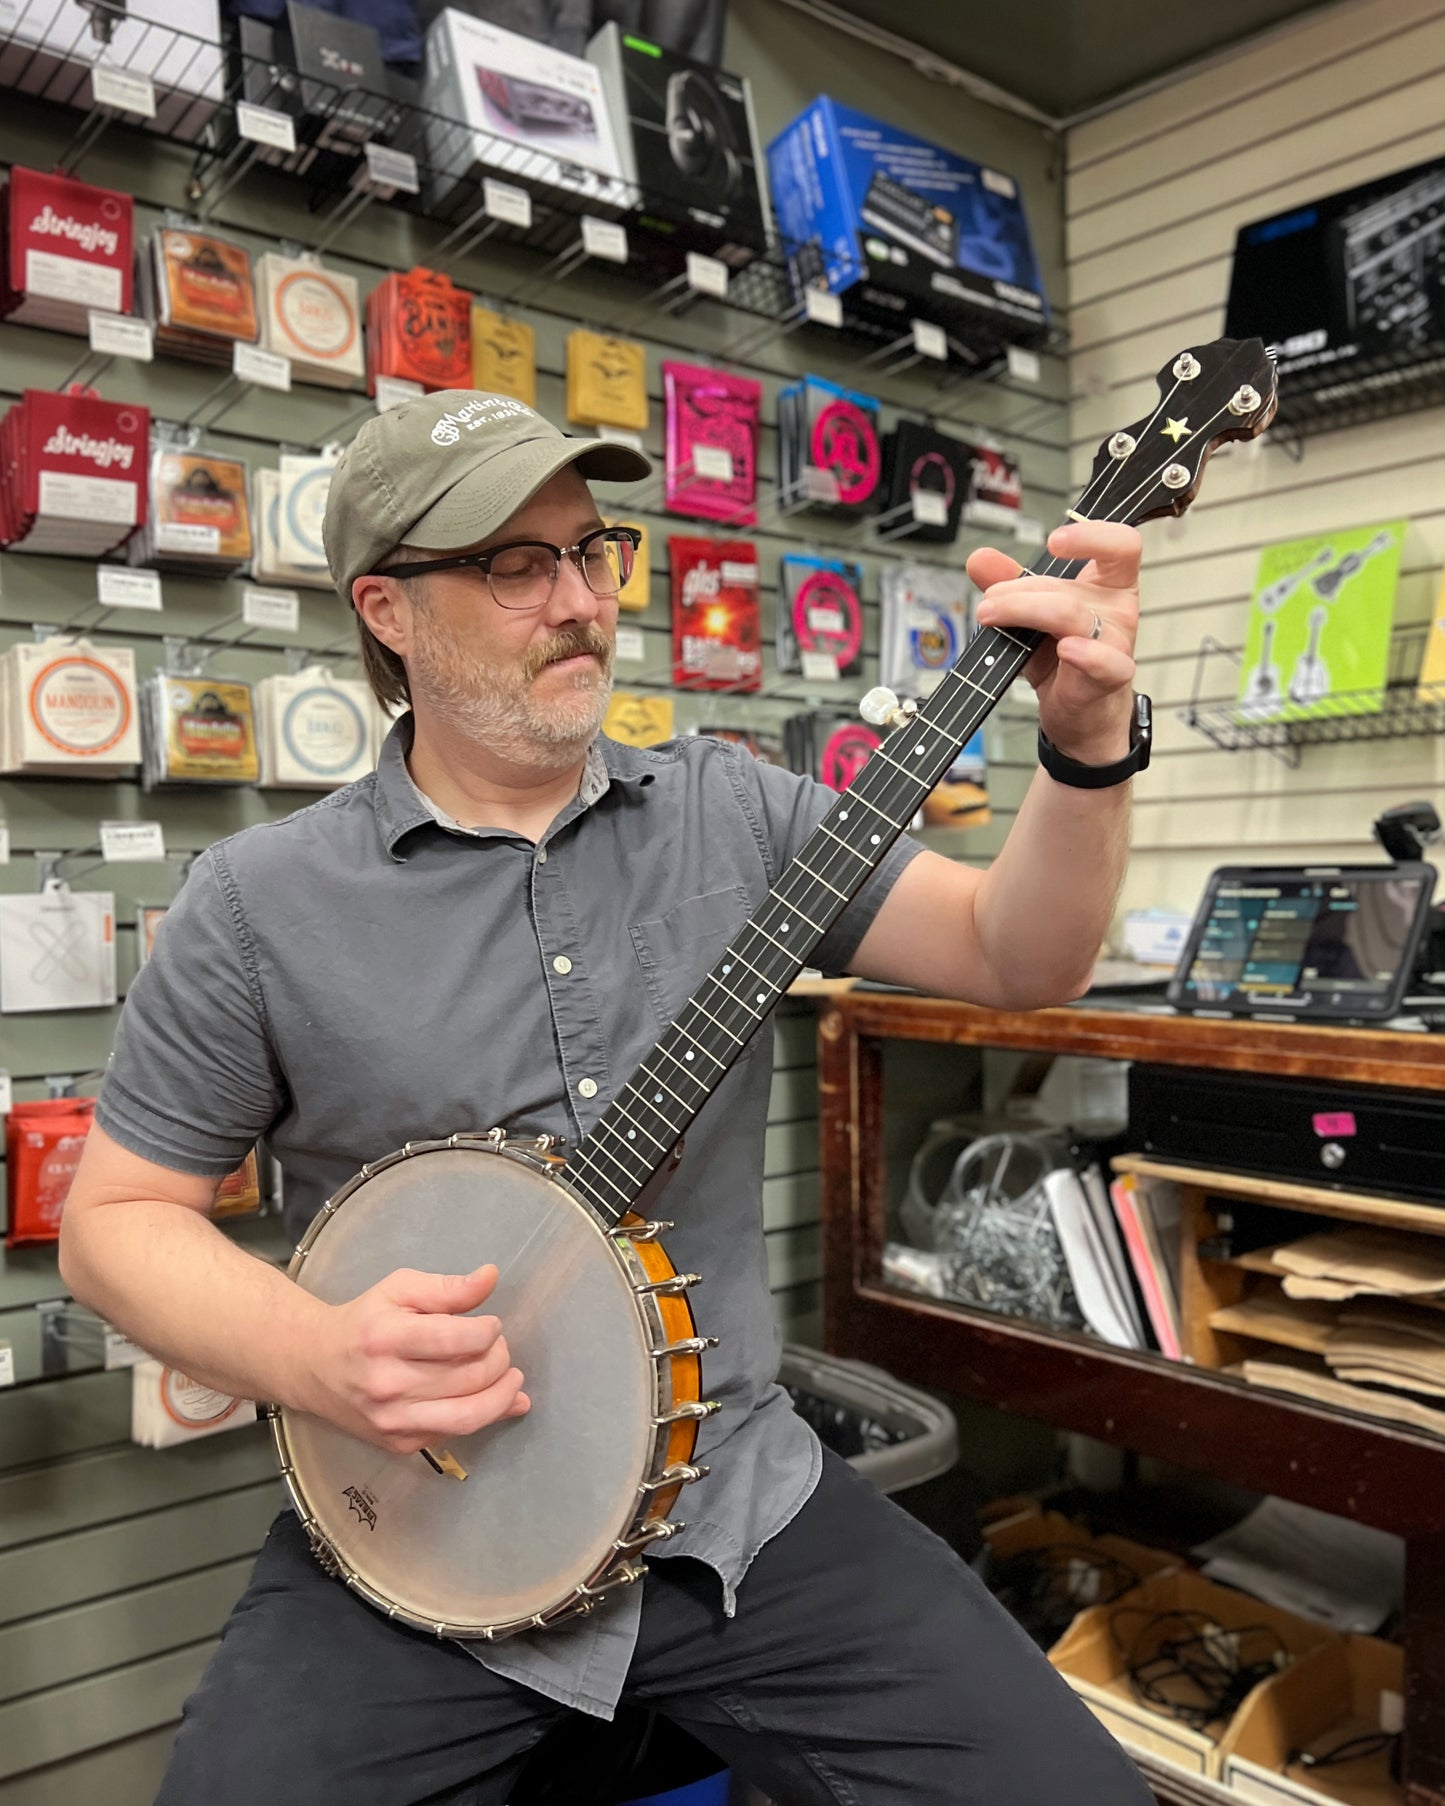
444 1462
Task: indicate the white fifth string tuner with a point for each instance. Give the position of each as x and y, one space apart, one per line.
881 708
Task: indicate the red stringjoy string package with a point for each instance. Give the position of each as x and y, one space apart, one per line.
43 1143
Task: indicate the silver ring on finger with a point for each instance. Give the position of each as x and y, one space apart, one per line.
1097 628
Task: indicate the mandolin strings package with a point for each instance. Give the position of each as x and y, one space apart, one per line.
168 1408
68 708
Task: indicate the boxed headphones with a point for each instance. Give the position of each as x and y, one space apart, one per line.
688 139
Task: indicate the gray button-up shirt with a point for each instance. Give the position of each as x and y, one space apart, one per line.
366 973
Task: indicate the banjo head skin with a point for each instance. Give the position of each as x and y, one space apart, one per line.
528 1520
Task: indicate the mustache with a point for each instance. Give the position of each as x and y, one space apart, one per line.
572 642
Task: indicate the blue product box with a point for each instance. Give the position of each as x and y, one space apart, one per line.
902 227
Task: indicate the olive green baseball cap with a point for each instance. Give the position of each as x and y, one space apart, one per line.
446 470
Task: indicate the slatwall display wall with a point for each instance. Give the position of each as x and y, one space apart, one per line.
1155 193
118 1564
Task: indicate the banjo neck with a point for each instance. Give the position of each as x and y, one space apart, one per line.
1154 467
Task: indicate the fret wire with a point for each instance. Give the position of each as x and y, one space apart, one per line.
681 1063
589 1154
711 1018
823 828
855 795
823 881
787 952
630 1149
580 1181
792 908
622 1110
752 968
597 1152
650 1103
745 1006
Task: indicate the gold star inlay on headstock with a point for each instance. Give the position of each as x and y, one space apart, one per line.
1176 430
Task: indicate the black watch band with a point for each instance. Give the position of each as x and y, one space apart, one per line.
1064 770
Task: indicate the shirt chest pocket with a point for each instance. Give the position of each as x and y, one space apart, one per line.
677 950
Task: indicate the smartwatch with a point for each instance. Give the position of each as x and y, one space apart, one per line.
1064 770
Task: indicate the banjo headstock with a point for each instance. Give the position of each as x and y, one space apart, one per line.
1208 395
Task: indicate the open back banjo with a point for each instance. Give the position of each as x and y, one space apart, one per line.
532 1521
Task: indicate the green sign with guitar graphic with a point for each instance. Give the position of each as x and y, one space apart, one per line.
1319 625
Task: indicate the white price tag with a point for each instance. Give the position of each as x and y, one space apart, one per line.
631 646
919 619
262 126
825 620
7 1094
714 462
603 238
118 587
391 391
1028 531
930 340
187 536
822 308
820 667
1023 364
392 169
126 842
707 275
820 485
267 369
930 509
4 843
120 1351
276 608
124 89
619 435
7 1364
500 200
113 335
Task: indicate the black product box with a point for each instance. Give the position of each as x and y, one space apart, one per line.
830 453
326 72
1349 291
919 461
689 142
1362 1138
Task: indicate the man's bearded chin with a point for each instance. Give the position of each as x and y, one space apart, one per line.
498 706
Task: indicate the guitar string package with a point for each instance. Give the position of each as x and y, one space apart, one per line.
68 709
44 1139
313 317
314 731
57 950
716 614
830 454
168 1408
504 355
197 730
820 617
67 248
606 381
829 746
926 480
925 624
73 473
200 520
198 292
301 507
267 564
419 328
713 422
995 493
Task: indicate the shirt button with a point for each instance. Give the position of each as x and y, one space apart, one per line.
588 1087
541 855
562 964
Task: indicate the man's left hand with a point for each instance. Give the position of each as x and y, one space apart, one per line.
1085 686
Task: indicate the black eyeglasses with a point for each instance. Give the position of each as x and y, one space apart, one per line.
521 574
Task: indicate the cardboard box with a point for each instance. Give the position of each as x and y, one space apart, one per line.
903 227
1015 1535
687 137
511 107
1348 1689
1090 1659
49 47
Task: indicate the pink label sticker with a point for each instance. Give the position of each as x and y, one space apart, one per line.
1334 1122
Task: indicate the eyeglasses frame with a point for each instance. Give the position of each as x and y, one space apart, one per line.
481 561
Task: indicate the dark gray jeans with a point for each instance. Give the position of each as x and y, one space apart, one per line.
867 1665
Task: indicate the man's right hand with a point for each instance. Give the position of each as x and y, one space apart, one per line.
404 1367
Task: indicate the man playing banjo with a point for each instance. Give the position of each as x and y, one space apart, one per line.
491 931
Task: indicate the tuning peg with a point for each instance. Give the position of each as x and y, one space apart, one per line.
881 708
